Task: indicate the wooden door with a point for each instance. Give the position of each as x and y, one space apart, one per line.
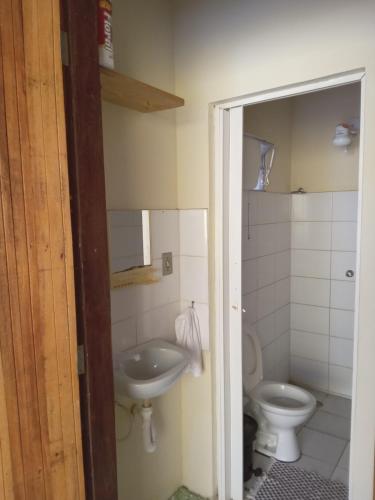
40 434
87 186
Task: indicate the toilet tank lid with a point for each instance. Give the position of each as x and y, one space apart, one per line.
252 368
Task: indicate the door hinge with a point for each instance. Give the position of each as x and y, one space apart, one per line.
81 366
64 48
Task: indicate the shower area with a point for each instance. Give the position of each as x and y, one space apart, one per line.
299 226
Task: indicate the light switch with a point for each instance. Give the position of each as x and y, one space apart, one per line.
167 260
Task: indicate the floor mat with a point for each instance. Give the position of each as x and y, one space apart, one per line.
185 494
285 482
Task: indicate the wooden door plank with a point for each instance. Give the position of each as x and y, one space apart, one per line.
40 434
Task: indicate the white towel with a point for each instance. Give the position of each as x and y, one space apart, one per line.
188 336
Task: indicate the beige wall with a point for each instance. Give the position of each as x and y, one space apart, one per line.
140 149
302 129
272 121
231 48
146 476
317 165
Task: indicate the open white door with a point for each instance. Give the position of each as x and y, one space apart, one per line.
229 324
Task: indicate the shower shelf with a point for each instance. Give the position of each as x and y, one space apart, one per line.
133 94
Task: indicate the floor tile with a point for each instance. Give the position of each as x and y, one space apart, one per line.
338 406
341 475
330 424
310 464
321 446
344 460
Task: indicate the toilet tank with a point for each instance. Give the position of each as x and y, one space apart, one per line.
252 368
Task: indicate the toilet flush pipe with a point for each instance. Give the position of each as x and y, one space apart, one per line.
148 427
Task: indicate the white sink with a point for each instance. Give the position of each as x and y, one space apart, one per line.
149 370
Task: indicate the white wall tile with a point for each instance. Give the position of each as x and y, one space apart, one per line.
312 206
345 206
265 236
310 373
165 291
340 380
342 262
193 232
342 295
165 234
310 291
282 320
270 359
341 352
282 207
342 323
265 270
245 208
310 345
282 265
344 236
265 208
311 263
265 301
194 279
123 303
282 293
251 209
265 329
249 304
283 231
282 367
249 276
310 318
311 235
158 323
124 334
249 243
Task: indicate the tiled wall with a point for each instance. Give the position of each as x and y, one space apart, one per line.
194 266
322 297
140 313
266 277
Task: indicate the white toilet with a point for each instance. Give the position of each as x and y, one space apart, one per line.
278 408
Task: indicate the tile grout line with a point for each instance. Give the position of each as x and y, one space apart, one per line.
330 300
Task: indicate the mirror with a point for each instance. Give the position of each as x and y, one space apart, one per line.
129 243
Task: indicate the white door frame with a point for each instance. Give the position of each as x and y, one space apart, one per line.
227 121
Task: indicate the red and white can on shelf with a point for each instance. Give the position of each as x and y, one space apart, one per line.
105 34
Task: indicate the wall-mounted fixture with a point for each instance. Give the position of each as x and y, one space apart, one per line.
344 133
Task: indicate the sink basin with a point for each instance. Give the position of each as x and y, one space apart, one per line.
149 370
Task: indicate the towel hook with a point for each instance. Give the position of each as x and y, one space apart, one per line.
192 304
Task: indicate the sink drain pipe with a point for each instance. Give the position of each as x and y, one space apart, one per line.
148 427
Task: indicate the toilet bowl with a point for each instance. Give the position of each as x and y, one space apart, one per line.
277 407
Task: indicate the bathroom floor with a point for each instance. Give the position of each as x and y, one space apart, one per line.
324 440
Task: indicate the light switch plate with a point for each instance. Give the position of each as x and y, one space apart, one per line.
167 263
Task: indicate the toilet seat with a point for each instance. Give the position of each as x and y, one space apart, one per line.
283 399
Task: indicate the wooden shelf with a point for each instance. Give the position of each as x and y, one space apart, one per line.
133 94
